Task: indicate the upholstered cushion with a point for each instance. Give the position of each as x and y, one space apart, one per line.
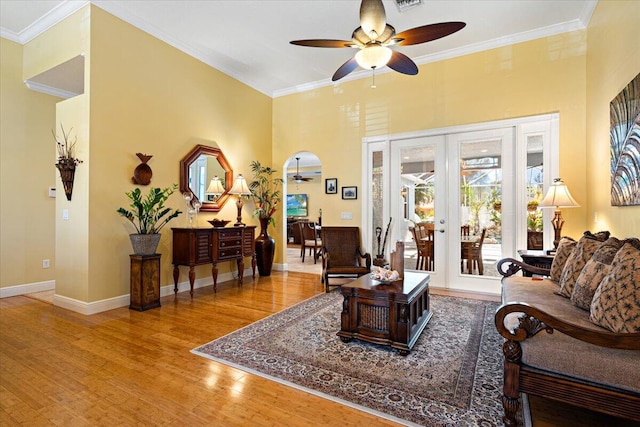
616 302
565 247
585 247
593 272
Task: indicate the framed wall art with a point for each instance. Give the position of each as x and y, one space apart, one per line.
624 136
331 186
349 193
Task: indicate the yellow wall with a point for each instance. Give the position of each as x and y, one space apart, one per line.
149 97
141 96
613 61
27 153
145 96
536 77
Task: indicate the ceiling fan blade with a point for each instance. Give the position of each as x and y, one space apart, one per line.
323 43
345 69
402 63
373 18
427 33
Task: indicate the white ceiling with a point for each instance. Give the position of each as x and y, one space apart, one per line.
249 40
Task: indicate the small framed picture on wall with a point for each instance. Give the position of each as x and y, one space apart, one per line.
331 186
349 193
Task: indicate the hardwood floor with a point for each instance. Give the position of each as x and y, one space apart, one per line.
124 367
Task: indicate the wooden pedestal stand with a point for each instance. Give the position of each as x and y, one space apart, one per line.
145 282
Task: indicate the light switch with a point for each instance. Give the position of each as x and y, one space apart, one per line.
346 215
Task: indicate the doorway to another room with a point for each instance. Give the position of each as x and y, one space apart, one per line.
302 195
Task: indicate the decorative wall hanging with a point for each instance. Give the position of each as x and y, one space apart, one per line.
67 161
625 145
142 173
331 186
349 193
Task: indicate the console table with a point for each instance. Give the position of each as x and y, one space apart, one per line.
198 246
390 314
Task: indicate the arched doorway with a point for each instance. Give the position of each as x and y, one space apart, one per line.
302 198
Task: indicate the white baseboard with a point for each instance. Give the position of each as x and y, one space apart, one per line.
30 288
88 308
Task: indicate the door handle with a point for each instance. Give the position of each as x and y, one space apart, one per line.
441 230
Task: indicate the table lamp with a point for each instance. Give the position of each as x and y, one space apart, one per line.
215 188
240 189
558 196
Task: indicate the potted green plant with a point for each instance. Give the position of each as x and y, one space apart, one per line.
265 192
148 215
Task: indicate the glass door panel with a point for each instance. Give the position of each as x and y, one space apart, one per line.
417 172
476 237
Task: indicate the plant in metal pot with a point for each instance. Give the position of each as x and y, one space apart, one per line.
149 215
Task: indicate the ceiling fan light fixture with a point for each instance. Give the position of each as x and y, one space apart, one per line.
373 57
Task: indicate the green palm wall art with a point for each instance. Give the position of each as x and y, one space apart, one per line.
625 145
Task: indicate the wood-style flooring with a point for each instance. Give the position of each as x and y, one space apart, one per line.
124 367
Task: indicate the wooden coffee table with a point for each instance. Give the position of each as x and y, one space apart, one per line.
389 314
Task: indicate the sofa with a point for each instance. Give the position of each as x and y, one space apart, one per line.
572 332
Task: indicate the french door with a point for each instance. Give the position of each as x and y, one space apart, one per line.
446 180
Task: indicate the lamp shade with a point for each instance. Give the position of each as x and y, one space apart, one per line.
240 187
558 196
215 186
373 56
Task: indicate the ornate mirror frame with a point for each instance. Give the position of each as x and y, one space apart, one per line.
192 156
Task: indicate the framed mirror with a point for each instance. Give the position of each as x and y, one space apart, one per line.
198 169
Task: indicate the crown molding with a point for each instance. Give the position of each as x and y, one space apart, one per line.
551 30
587 12
51 18
49 90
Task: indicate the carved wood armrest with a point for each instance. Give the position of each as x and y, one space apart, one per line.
513 266
534 320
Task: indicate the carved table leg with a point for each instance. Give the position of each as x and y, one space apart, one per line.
192 279
176 275
240 269
214 274
254 263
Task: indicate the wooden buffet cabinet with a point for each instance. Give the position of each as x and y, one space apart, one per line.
198 246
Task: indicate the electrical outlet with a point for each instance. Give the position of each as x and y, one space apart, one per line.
45 263
65 214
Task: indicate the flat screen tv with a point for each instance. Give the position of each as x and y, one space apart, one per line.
297 205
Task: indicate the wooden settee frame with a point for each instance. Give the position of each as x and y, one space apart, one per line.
520 378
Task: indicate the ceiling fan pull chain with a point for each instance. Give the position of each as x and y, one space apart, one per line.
373 78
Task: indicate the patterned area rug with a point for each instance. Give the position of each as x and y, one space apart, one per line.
452 377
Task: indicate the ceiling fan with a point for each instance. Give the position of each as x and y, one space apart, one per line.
374 37
297 177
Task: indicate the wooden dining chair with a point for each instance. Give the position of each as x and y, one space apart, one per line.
472 253
465 230
309 239
423 237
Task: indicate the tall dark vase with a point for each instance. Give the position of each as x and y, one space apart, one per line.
265 249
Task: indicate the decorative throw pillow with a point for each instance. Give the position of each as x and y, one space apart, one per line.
594 271
616 302
585 247
565 247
